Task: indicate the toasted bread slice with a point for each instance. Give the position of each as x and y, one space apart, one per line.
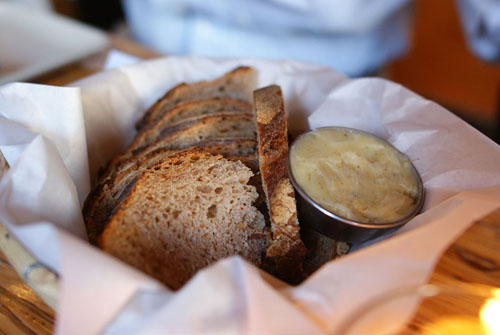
198 129
193 131
190 110
226 146
184 213
101 201
286 248
106 194
237 84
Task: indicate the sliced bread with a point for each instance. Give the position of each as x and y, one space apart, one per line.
286 247
189 111
237 84
184 213
103 198
195 130
226 146
106 194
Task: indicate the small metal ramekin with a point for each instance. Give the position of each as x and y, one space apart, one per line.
337 227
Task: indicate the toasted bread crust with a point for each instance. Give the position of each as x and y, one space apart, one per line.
105 196
189 110
178 216
190 132
286 247
237 84
233 145
197 129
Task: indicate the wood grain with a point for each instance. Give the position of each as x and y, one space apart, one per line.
21 311
37 276
474 259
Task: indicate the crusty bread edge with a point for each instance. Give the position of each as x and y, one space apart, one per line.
148 118
287 248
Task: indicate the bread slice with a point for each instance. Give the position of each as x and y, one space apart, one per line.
190 110
198 129
237 84
106 194
104 197
184 213
194 131
286 248
226 146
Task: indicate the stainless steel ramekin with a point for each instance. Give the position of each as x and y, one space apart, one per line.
337 227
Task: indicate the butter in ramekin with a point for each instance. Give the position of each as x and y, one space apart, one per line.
354 175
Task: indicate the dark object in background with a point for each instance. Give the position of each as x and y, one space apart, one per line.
101 14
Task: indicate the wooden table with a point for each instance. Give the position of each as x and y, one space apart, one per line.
474 257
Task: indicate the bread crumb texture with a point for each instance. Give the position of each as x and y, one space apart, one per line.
284 217
286 248
184 213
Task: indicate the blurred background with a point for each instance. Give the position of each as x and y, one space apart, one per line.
445 50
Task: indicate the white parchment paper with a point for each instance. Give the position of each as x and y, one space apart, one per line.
56 139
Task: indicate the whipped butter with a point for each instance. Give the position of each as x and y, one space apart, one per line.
354 175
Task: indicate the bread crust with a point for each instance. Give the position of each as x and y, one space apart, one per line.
286 247
189 110
237 84
195 130
165 225
105 196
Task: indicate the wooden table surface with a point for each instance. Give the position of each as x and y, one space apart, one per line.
474 257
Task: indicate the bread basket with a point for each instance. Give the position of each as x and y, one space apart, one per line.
85 296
